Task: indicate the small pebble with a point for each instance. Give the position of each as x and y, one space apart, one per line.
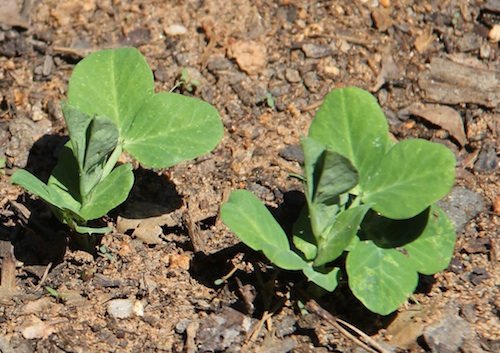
316 51
292 76
175 30
125 308
494 34
182 325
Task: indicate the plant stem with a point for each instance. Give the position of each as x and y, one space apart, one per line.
112 160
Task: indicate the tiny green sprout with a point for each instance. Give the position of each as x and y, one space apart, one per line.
186 82
59 296
103 251
369 202
112 108
302 307
269 100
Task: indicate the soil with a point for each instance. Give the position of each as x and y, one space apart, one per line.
151 285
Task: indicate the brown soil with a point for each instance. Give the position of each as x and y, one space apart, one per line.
169 245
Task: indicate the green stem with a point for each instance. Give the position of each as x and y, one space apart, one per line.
112 160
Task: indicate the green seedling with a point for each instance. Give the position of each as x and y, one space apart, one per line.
268 98
112 108
59 296
186 82
370 203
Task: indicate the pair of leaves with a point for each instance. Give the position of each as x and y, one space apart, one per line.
159 130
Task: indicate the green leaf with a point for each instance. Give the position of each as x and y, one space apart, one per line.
102 137
37 187
327 280
303 237
433 250
112 83
340 235
77 123
312 151
92 140
351 123
65 178
250 220
109 193
172 128
413 175
382 279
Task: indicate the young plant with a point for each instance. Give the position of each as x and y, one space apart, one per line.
370 202
112 108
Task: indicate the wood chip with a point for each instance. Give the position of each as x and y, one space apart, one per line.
448 82
443 116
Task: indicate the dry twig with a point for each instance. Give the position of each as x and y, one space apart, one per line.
362 339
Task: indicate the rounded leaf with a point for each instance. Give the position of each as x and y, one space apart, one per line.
351 122
112 83
171 128
432 251
382 279
412 175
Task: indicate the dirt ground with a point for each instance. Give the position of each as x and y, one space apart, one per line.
434 67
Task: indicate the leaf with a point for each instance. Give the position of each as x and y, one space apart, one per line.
112 83
65 178
92 140
351 123
37 187
102 138
333 175
340 235
77 123
303 237
109 193
413 175
91 230
312 151
327 280
382 279
433 250
172 128
250 220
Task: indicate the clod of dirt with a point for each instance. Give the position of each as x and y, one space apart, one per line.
251 56
217 332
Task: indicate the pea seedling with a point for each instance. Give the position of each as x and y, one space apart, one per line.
369 200
112 108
